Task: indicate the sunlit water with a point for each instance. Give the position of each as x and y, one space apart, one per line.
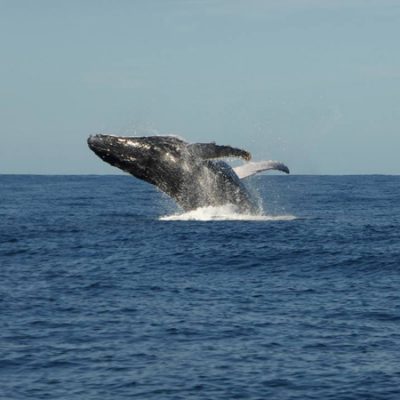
223 213
108 291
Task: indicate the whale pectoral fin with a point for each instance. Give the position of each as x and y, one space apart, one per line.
253 168
212 150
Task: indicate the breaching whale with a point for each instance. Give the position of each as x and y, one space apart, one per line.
189 173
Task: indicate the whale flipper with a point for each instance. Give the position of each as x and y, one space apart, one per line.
253 168
212 150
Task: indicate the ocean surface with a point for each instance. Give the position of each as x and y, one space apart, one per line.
108 292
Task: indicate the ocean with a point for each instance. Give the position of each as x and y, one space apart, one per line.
107 291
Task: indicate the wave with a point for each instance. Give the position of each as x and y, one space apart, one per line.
223 213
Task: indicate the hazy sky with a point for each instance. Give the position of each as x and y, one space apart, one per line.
313 83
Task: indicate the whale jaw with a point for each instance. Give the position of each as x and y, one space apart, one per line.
154 159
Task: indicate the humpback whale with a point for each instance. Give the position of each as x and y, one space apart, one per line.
191 173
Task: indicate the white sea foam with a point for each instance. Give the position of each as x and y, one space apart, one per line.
223 213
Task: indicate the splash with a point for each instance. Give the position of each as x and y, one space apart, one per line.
223 213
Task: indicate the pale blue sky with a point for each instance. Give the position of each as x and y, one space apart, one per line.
313 83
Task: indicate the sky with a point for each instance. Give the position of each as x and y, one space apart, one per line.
312 83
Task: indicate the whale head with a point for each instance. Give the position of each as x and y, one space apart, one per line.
147 158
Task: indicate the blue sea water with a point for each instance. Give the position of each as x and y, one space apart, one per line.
103 298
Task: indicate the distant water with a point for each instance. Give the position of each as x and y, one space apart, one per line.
108 292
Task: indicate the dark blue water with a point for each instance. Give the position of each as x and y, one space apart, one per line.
99 299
